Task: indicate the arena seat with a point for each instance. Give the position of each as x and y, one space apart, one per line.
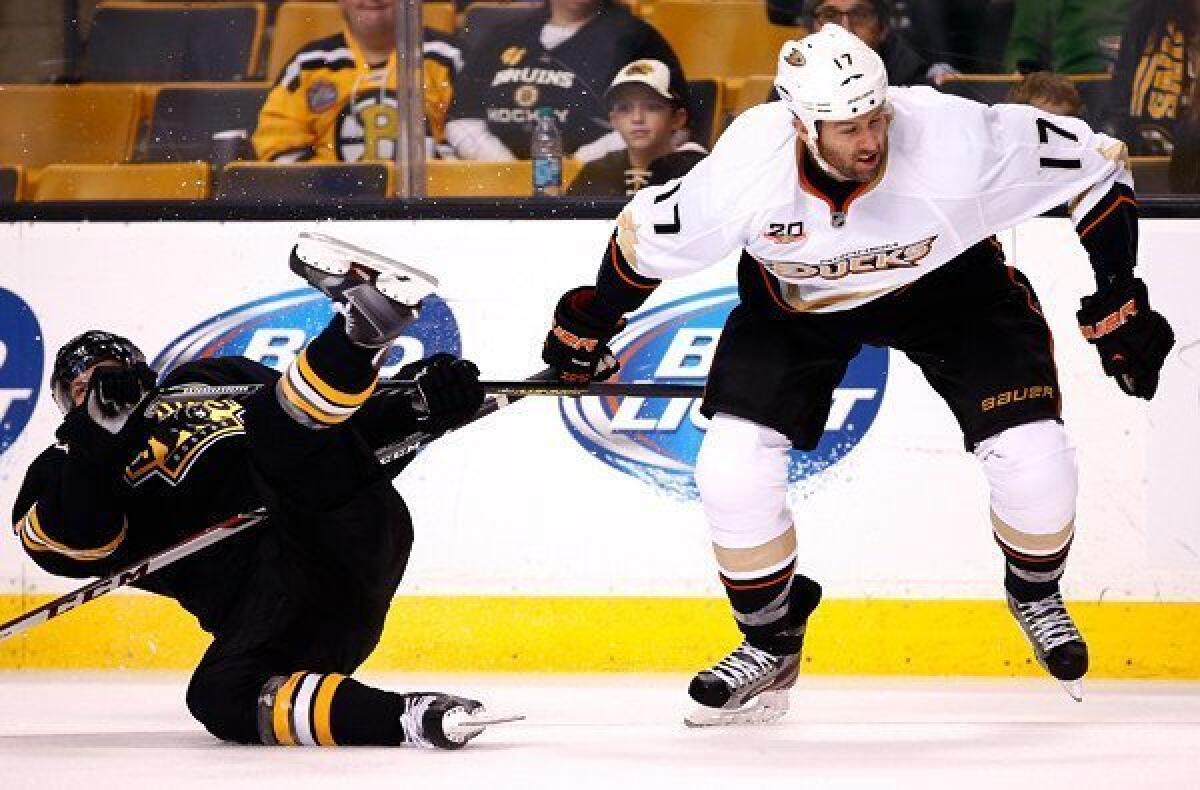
1151 174
133 41
720 38
282 184
185 117
482 17
180 181
452 178
708 104
48 124
301 21
11 181
742 93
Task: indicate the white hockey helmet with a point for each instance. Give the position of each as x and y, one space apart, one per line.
830 75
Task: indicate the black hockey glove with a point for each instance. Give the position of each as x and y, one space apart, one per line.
113 393
1133 341
577 345
448 390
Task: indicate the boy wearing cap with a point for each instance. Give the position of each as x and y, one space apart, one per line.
647 115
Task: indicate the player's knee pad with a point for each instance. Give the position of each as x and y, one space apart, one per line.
1034 481
742 474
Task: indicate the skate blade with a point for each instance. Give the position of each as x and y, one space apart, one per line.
461 726
767 707
319 250
1074 688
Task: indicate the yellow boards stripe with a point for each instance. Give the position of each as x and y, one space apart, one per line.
640 634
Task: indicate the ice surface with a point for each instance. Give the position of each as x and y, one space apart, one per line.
622 732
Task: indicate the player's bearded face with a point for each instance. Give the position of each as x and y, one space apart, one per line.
856 149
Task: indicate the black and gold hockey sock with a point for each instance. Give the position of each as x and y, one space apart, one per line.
313 709
761 605
330 379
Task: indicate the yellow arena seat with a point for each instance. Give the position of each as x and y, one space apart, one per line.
301 21
181 181
720 38
48 124
450 178
742 93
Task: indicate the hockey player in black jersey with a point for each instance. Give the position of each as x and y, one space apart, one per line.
298 604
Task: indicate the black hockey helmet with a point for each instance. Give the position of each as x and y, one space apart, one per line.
80 353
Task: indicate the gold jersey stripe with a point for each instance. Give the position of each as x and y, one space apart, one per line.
36 539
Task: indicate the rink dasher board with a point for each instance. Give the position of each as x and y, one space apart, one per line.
488 503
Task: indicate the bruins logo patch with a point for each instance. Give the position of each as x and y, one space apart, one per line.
182 433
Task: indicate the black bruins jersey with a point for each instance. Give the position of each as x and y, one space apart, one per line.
510 75
92 504
330 105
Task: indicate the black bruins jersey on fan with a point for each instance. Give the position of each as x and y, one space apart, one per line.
330 105
511 74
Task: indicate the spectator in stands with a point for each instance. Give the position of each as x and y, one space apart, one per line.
1049 92
1156 67
1183 174
871 20
561 57
1065 36
648 115
336 100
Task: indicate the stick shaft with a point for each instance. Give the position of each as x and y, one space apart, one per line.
521 388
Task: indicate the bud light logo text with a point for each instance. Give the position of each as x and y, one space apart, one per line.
656 439
21 359
274 331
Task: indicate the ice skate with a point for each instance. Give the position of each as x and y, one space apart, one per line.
751 685
432 720
748 686
1056 641
377 295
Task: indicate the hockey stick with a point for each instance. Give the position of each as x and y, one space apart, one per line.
217 532
646 389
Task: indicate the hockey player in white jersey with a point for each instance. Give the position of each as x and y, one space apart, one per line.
866 215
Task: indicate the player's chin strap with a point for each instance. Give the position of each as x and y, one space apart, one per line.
218 532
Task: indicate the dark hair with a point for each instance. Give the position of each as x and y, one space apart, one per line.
1047 85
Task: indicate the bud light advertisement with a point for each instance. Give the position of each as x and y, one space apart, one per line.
656 439
274 330
21 360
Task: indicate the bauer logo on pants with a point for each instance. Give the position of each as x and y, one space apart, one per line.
656 440
275 329
21 359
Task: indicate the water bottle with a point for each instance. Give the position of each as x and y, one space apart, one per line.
546 151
